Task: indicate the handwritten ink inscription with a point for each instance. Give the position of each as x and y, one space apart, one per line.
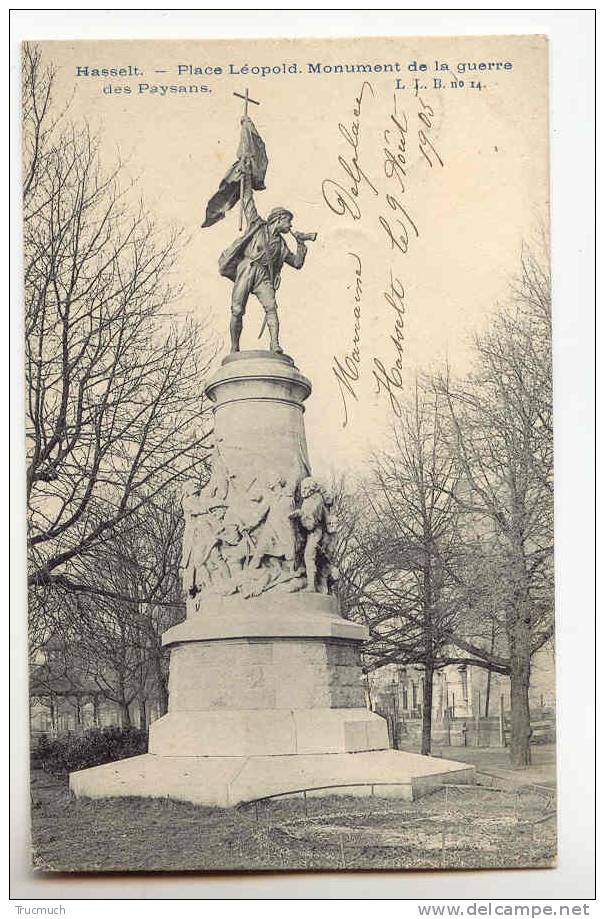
405 133
390 381
346 370
341 198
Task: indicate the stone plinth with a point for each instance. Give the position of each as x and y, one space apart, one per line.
266 695
276 674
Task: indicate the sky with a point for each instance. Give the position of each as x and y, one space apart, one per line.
421 193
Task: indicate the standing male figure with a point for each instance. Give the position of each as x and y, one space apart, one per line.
255 260
312 516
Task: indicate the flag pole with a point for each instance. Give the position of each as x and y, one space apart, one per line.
246 99
241 181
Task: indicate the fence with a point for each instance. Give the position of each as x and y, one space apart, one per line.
445 827
405 728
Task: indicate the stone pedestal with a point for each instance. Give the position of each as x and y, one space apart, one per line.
271 675
265 693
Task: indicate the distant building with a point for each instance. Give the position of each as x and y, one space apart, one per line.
461 693
68 699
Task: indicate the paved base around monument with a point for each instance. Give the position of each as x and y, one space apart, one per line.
225 781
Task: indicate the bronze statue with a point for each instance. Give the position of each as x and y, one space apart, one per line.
255 260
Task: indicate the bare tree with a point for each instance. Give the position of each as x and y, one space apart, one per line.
46 609
114 382
399 561
502 434
137 596
446 552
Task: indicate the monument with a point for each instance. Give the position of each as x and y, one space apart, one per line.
266 696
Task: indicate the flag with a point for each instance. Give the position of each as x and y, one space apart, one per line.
250 145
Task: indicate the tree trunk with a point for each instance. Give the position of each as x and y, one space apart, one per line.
427 709
520 726
520 662
142 713
125 715
489 672
160 683
163 698
488 692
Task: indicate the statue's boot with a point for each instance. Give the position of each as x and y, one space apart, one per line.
235 329
273 326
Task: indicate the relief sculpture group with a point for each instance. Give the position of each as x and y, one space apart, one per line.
247 537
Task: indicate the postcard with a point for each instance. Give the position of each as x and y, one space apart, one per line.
289 454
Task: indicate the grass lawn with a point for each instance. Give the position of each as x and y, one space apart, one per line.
462 828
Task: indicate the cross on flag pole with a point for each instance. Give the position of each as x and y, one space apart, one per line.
246 99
